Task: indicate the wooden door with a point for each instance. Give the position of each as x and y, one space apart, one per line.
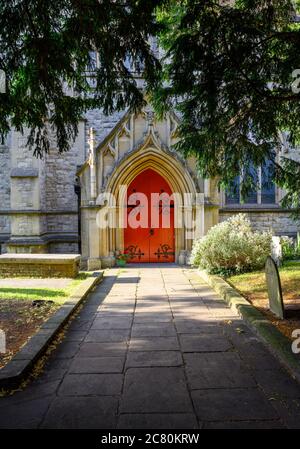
149 235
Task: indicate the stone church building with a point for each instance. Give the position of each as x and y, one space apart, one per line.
54 205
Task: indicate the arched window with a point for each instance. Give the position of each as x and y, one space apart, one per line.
268 194
265 192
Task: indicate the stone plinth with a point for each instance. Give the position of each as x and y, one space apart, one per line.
39 265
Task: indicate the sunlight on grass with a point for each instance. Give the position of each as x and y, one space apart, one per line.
253 287
254 284
58 296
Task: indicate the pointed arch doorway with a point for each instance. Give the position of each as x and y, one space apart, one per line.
149 235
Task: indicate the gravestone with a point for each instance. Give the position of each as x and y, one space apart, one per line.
276 250
274 288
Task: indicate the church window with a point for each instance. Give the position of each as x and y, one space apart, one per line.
265 193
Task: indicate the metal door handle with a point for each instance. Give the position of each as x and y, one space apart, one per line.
151 232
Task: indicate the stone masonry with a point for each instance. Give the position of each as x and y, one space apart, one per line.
38 203
54 225
39 265
278 221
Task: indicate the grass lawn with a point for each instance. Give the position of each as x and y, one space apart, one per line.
20 317
253 287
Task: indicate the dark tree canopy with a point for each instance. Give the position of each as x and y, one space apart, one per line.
45 51
229 71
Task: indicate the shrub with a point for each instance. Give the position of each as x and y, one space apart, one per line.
232 247
290 249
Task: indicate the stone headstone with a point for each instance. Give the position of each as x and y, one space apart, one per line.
274 288
276 250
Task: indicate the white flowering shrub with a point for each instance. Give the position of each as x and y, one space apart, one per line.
231 247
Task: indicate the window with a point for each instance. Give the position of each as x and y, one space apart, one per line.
267 185
265 194
232 196
93 61
252 197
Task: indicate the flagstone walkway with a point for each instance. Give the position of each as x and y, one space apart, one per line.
154 347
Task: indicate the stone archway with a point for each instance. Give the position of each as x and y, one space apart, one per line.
137 143
180 182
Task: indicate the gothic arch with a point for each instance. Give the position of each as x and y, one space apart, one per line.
138 142
171 169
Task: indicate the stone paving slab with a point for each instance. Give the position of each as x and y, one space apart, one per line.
76 335
154 344
158 421
82 413
153 330
155 390
197 327
30 418
67 349
202 373
153 358
243 425
106 336
155 348
115 349
153 318
91 385
204 343
97 365
276 383
232 405
112 323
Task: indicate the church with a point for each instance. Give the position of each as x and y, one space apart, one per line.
59 204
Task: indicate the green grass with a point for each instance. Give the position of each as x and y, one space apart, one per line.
254 284
58 296
253 287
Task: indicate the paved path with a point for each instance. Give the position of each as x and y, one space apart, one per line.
154 347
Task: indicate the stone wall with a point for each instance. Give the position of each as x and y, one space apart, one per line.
60 179
4 224
63 248
101 123
60 196
5 166
38 265
3 248
54 187
279 222
61 222
50 189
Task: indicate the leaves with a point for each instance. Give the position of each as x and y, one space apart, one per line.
231 247
228 70
45 50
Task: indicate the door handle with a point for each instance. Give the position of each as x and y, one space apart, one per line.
151 232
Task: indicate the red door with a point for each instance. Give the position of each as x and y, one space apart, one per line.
149 234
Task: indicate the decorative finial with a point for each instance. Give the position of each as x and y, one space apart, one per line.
91 143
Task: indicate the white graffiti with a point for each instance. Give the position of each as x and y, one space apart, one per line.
296 342
2 82
159 210
295 86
